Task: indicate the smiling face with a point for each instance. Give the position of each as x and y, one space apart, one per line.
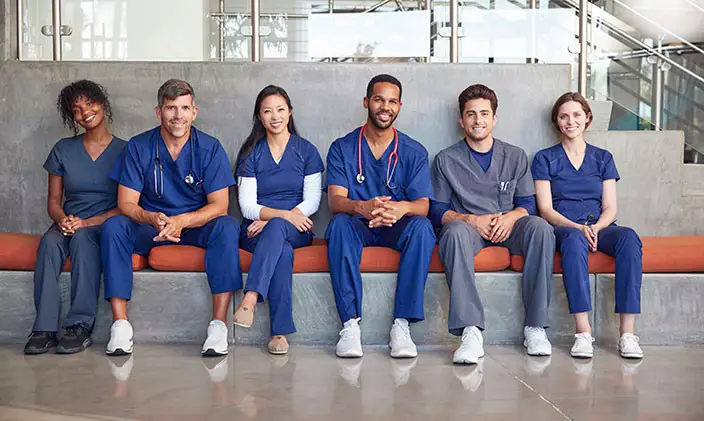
572 120
384 104
274 113
478 119
88 114
177 115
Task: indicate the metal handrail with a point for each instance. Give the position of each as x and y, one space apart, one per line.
647 19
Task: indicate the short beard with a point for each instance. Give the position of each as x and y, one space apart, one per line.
378 124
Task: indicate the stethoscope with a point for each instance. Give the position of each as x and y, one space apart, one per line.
390 169
190 179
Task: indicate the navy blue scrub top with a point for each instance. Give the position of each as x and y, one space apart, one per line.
136 171
576 194
88 191
410 181
280 186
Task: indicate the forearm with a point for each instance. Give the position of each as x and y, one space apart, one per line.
203 215
417 207
608 216
341 204
267 213
56 212
135 213
518 213
99 219
555 218
451 215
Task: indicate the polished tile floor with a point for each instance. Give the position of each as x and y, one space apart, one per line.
162 382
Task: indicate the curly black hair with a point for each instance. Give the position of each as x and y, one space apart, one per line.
92 91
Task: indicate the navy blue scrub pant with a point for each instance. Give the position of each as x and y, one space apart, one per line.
271 271
120 237
84 249
413 236
619 242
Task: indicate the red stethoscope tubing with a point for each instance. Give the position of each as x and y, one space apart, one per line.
392 156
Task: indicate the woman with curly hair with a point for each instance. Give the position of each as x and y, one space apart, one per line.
80 198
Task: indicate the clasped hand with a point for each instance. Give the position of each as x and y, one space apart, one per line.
169 227
494 227
70 224
382 211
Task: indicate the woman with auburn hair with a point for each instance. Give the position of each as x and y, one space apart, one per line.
575 185
279 188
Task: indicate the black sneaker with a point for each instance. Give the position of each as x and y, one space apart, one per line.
76 339
40 342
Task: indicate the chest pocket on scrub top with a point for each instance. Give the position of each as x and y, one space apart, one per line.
506 190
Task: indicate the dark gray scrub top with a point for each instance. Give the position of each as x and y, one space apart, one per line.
459 180
88 191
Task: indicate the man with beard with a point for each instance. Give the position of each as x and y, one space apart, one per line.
485 197
379 189
173 189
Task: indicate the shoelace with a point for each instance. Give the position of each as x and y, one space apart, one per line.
347 333
74 331
405 330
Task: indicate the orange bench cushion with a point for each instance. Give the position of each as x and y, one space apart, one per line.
660 255
314 258
19 252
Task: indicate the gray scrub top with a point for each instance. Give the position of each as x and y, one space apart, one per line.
460 181
88 191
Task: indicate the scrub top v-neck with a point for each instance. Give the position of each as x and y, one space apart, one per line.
88 190
576 193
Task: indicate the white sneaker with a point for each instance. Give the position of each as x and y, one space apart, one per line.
350 343
216 343
536 341
471 346
628 346
400 341
582 347
120 338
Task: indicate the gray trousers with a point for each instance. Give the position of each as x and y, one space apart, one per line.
532 237
54 248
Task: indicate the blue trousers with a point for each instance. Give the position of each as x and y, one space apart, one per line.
619 242
271 271
54 248
346 236
120 237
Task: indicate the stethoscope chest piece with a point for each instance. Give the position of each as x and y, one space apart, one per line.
360 178
189 179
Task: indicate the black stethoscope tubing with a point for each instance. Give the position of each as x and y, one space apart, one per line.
190 179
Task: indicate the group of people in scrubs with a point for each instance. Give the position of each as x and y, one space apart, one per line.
109 199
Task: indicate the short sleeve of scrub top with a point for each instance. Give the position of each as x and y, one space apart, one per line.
336 174
524 185
441 187
541 166
608 170
217 173
419 185
54 163
127 171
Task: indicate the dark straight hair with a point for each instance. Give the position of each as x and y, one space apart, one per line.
258 131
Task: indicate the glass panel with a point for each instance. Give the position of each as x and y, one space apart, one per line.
35 45
236 30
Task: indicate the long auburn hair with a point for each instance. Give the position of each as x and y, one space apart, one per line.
258 132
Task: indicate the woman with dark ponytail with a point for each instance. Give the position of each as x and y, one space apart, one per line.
81 197
279 188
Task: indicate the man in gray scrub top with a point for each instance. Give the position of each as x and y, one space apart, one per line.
484 196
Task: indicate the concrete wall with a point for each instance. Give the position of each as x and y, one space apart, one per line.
8 31
327 102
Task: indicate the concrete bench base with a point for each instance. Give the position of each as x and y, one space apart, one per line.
317 320
169 307
176 307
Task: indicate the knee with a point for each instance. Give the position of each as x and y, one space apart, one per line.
278 225
83 238
340 223
51 240
115 225
628 238
422 225
538 226
456 231
573 240
226 225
